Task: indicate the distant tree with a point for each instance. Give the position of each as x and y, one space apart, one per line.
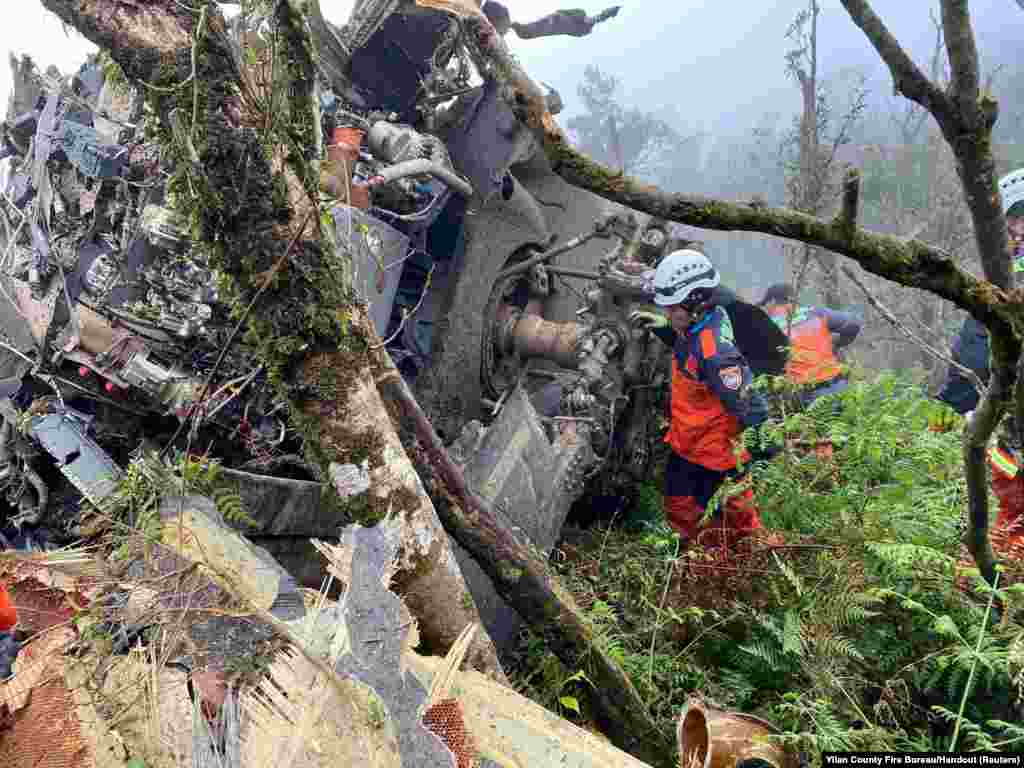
809 153
628 139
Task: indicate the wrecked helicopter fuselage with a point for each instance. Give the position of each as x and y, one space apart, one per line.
116 337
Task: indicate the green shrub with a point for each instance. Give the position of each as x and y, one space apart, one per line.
868 634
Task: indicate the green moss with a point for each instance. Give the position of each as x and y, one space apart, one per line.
509 573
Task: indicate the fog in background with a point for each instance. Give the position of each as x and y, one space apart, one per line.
715 72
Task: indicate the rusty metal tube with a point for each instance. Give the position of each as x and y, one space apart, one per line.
533 336
709 737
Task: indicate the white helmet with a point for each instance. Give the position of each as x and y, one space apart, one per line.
1011 188
681 273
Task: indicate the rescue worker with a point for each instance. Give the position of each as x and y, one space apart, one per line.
971 350
812 364
711 400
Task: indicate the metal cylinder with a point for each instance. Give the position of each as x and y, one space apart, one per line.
713 738
533 336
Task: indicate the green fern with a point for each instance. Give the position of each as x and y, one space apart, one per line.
836 647
767 653
231 507
792 643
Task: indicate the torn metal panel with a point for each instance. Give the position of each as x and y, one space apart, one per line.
46 135
90 153
64 436
281 506
378 251
483 139
514 466
376 641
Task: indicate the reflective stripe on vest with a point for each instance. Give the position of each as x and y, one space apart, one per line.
1002 461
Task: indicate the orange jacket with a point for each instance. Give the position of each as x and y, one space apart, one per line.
8 613
812 358
711 400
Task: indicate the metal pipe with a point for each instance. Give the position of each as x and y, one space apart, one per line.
533 336
570 272
6 467
543 256
422 166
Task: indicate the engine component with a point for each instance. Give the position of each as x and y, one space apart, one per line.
163 227
392 144
411 153
169 385
423 167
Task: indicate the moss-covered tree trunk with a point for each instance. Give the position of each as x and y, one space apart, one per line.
247 149
521 576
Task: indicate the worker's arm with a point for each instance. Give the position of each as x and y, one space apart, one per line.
844 324
725 372
655 322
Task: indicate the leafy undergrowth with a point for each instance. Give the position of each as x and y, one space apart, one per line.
869 630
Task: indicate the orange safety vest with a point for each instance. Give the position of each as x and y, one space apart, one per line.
8 613
811 358
701 430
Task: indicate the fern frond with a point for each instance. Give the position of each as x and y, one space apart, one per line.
765 653
231 507
838 647
842 609
911 558
791 631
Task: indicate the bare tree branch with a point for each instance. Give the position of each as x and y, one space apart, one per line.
963 57
847 217
907 76
881 309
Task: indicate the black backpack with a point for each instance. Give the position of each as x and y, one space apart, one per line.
762 343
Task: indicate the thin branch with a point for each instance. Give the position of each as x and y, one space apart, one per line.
847 217
963 58
268 279
907 77
410 313
975 380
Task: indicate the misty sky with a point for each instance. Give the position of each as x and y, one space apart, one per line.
719 64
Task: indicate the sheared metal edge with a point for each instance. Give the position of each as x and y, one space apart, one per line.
92 471
208 751
377 638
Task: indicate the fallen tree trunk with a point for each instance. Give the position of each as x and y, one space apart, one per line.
522 577
256 196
